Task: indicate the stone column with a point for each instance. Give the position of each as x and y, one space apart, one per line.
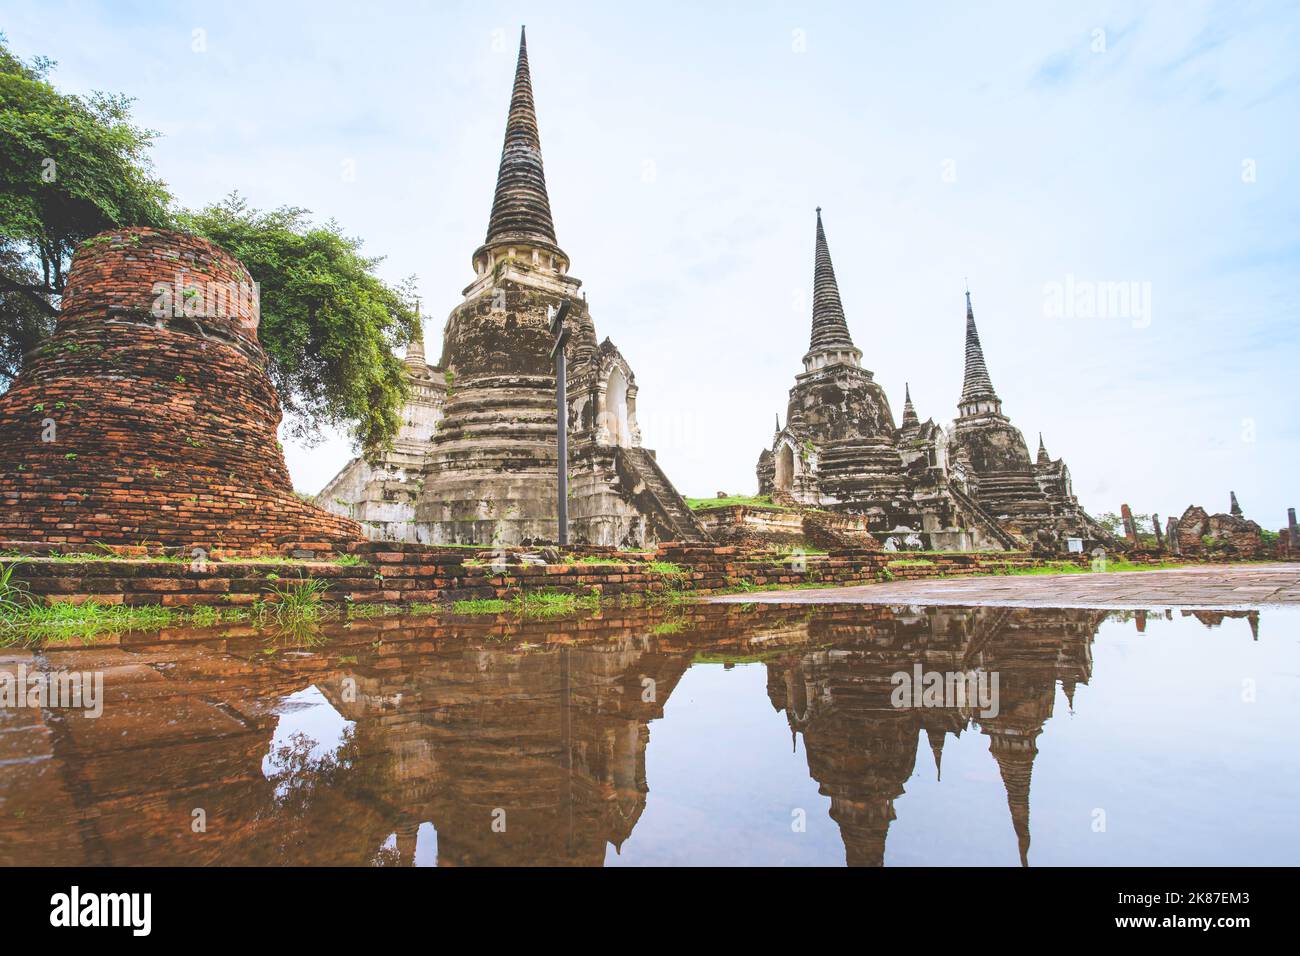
1155 523
1130 529
1171 536
1291 527
633 429
601 420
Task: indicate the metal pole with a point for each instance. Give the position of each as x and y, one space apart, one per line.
561 422
562 440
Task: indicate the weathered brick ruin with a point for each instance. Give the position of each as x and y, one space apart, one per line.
1198 533
489 471
148 414
970 487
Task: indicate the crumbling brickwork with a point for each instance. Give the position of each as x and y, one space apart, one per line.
148 414
1231 535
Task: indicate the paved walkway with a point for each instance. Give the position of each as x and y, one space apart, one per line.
1201 586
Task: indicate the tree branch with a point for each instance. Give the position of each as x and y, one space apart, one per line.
34 293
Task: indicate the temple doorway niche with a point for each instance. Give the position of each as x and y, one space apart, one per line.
785 468
616 417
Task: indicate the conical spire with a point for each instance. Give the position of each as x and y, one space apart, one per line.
415 359
977 387
1234 508
910 419
1015 759
521 211
829 330
936 748
415 351
1043 457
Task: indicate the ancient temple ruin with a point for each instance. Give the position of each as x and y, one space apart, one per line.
381 493
488 473
148 416
1197 533
970 486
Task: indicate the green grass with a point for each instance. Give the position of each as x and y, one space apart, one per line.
298 602
665 628
666 569
556 603
363 612
481 606
723 657
545 603
13 594
731 501
349 561
914 563
790 551
64 621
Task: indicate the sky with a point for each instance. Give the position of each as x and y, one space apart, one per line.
1047 153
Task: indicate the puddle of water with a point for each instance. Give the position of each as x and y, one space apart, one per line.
709 734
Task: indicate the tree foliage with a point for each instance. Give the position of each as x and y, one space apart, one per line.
74 166
329 326
70 167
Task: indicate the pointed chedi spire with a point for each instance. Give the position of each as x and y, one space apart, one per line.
1233 507
415 359
910 419
829 329
1043 457
936 747
977 393
521 211
1015 760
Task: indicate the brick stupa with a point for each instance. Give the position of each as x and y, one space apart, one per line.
148 416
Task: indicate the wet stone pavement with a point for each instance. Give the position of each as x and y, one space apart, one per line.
1207 586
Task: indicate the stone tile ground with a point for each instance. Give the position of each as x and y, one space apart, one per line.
1205 586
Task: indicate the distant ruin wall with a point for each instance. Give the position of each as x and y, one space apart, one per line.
148 415
397 573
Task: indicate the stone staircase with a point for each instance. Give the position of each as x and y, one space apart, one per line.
986 521
821 533
679 521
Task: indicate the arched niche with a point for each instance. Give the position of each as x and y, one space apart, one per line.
784 477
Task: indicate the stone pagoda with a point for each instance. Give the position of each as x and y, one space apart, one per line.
970 486
1033 500
841 451
838 445
489 464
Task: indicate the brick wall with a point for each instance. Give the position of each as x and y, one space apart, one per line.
133 423
396 573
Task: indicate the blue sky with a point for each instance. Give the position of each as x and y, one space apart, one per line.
687 145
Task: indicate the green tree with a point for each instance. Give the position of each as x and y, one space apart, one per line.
72 167
329 325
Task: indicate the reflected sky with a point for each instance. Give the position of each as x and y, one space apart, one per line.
711 734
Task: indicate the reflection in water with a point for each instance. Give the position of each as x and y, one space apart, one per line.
485 742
